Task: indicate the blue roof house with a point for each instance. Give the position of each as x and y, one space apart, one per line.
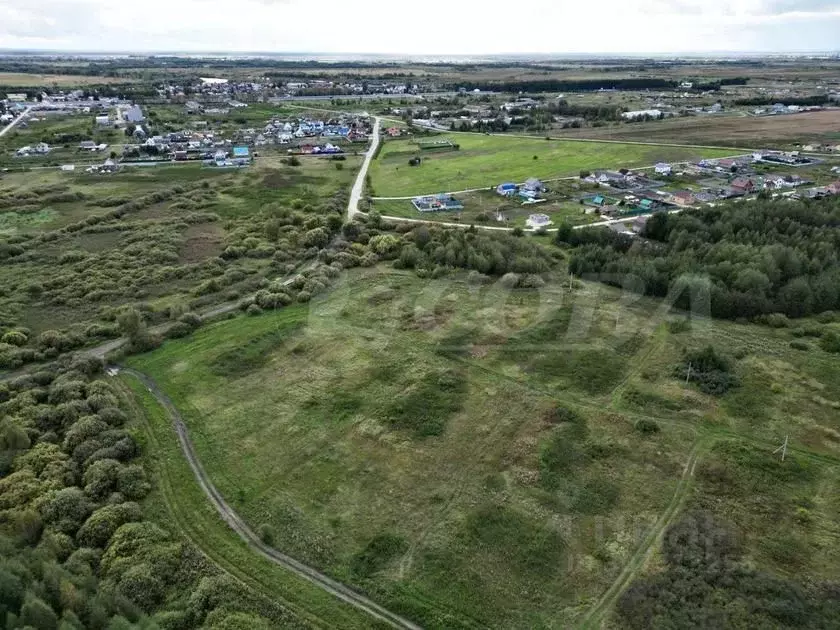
508 189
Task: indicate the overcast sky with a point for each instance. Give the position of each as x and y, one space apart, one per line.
434 27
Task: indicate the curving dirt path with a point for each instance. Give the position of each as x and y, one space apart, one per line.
236 523
636 563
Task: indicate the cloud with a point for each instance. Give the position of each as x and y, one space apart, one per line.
781 7
435 26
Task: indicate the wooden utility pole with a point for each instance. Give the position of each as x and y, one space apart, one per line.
688 374
782 448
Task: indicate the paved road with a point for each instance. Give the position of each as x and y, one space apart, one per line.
14 123
236 523
359 186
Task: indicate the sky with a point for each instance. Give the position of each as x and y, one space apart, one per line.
428 27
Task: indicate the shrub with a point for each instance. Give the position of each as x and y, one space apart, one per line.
266 534
510 280
709 370
646 426
14 338
830 342
253 309
796 344
377 554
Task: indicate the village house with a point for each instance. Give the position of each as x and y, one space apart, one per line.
683 198
662 168
508 189
537 221
534 185
743 185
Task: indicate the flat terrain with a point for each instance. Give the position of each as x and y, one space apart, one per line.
24 79
736 131
474 456
486 161
484 208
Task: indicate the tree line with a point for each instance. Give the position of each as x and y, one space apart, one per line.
749 259
75 549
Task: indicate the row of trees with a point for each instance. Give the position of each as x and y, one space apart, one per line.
747 260
434 250
75 550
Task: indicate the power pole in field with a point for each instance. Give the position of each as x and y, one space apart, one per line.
782 448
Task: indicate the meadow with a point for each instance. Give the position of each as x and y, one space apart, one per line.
474 456
486 161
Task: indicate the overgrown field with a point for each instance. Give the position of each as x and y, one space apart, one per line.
77 248
736 130
475 456
486 161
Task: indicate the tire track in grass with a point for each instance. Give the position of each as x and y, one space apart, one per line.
188 530
636 563
236 523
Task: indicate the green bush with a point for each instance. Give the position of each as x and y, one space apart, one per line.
377 554
646 426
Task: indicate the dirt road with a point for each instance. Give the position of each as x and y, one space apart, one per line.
236 523
359 186
14 123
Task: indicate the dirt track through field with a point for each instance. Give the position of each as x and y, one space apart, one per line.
236 523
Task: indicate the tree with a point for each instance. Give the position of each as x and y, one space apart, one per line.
67 509
36 613
130 321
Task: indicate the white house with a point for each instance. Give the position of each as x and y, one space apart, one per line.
662 169
103 121
538 220
652 113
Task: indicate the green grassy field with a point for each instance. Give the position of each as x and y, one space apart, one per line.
473 457
485 161
178 505
482 208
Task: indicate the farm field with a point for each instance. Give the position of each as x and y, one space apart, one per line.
737 131
472 456
485 161
25 79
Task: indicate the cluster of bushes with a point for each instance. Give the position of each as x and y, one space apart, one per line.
431 251
745 261
76 551
709 370
706 585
